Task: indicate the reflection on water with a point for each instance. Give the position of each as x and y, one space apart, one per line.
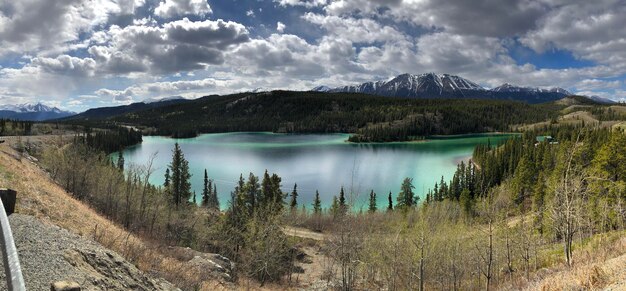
315 161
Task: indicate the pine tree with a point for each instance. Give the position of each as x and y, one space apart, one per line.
294 198
372 205
166 184
194 198
267 193
466 201
206 189
390 206
180 184
214 201
317 203
120 161
252 192
405 198
343 207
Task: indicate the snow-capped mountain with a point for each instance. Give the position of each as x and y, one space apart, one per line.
408 85
433 85
34 112
506 87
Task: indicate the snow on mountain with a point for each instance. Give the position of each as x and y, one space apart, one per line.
30 108
431 85
321 89
506 87
36 112
408 85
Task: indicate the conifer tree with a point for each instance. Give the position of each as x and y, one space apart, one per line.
252 192
372 204
317 203
206 190
195 202
214 201
166 184
390 205
466 201
120 161
266 190
343 207
294 197
179 169
405 198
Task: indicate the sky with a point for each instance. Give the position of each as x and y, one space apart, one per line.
80 54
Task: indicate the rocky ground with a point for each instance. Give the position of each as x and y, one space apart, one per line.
49 253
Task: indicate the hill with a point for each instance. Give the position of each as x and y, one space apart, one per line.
105 112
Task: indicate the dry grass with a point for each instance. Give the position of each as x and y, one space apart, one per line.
600 264
41 197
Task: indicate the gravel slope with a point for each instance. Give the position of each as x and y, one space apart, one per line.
49 253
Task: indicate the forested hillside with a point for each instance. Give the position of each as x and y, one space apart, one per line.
371 118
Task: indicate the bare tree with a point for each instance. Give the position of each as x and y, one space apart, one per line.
569 191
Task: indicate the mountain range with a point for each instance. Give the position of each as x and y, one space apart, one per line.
431 85
34 112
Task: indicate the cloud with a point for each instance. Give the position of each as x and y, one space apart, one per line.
480 17
280 27
355 30
181 45
592 31
596 84
148 90
173 8
53 26
304 3
66 65
169 47
118 96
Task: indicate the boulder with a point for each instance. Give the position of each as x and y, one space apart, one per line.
208 265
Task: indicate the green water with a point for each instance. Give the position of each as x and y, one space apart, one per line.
314 161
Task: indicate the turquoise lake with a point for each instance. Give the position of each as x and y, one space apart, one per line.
323 162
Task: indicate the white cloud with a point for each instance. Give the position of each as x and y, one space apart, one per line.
181 45
280 27
55 27
304 3
355 30
592 31
173 8
479 17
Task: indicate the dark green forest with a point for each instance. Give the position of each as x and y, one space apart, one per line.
370 118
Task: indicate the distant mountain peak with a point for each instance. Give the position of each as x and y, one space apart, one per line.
434 85
507 87
321 88
29 108
36 112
